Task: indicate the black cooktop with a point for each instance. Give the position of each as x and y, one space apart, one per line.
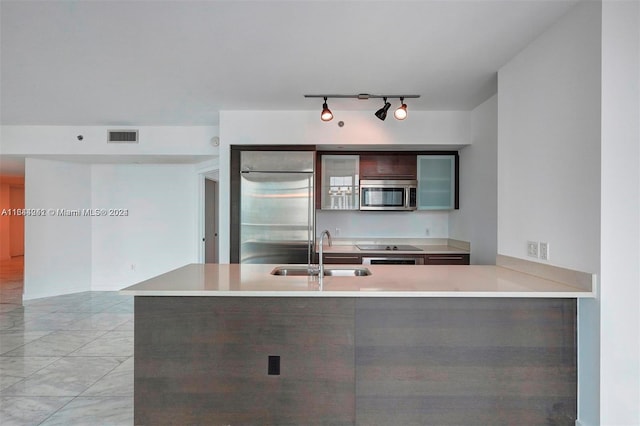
387 247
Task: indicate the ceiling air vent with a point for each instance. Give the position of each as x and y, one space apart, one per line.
123 136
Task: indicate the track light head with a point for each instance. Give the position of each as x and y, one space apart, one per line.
401 112
326 114
382 112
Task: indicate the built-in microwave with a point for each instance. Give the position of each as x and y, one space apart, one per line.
388 194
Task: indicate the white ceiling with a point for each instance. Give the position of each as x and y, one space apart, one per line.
181 62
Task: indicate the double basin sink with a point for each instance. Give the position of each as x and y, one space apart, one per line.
334 272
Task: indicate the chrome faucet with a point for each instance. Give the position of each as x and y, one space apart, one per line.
321 260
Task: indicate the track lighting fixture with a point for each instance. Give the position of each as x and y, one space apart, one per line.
326 114
382 112
399 114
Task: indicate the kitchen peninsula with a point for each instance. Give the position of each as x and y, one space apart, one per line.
233 344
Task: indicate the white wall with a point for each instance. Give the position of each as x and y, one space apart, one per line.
620 253
433 128
477 219
549 165
360 128
57 249
160 232
82 253
356 224
549 143
163 200
62 140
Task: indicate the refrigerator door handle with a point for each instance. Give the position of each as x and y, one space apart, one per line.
309 220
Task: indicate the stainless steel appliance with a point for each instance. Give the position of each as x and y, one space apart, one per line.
276 206
388 194
381 259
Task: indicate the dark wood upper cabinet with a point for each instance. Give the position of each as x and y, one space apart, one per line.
388 166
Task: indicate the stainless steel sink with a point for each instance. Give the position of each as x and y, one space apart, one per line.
335 272
354 272
293 271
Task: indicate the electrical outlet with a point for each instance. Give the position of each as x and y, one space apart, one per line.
273 365
544 251
532 249
427 232
337 233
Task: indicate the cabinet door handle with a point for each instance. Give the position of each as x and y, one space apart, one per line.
395 176
444 257
340 257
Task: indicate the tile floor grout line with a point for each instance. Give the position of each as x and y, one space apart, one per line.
50 415
77 349
23 345
93 384
57 358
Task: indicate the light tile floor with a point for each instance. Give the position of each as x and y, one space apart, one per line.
66 360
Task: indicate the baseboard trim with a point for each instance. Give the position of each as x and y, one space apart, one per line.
41 295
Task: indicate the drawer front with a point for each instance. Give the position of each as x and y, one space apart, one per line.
446 259
345 259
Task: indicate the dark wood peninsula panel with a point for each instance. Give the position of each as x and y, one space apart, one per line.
466 361
205 361
345 361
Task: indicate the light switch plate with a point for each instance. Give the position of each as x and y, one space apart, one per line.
532 249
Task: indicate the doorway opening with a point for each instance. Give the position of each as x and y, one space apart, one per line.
210 219
11 241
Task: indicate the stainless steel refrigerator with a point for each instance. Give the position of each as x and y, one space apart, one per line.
276 206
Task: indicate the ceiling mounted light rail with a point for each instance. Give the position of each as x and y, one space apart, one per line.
400 113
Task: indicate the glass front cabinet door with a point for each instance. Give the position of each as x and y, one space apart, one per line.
436 182
340 182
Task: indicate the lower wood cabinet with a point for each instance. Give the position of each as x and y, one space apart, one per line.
429 259
354 361
344 259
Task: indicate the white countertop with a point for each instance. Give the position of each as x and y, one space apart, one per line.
242 280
